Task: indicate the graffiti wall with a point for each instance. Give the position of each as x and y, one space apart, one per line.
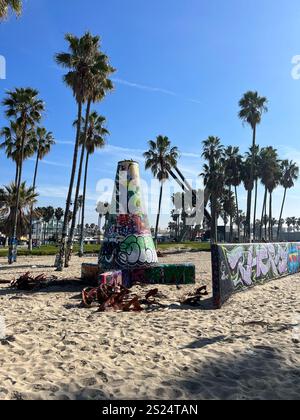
128 241
238 267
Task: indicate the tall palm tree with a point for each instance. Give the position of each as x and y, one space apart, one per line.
233 165
256 152
160 158
48 216
78 61
289 175
59 213
7 5
99 86
44 141
289 222
26 198
80 203
270 178
96 137
252 107
214 178
83 61
26 108
12 144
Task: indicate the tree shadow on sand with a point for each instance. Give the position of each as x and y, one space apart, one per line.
57 286
260 373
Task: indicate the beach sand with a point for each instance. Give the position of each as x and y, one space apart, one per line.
56 350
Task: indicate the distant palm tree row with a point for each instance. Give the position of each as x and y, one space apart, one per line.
225 169
23 138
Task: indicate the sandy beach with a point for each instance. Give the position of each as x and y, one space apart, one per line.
56 350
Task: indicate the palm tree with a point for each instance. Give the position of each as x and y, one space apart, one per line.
289 175
246 179
12 144
23 105
58 216
160 158
26 198
270 178
289 222
256 152
97 87
233 165
43 142
228 204
7 5
96 137
214 177
48 216
252 107
86 65
100 85
80 203
240 219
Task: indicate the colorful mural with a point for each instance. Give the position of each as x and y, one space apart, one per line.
128 241
237 267
113 279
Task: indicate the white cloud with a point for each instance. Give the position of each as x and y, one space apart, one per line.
64 142
153 89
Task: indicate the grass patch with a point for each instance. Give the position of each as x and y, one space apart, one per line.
195 246
49 250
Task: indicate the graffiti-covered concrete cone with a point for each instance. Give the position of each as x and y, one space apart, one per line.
128 241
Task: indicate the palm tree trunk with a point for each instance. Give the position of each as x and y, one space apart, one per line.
266 219
237 209
262 215
60 256
249 200
56 230
281 213
230 223
13 245
81 248
158 213
270 217
17 173
214 225
31 209
255 208
75 210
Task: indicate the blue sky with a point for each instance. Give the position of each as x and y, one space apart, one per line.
182 68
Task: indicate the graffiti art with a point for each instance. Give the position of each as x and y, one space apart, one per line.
128 241
238 267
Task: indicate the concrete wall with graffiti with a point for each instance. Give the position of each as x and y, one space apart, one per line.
238 267
128 241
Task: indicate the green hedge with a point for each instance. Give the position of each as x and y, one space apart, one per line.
50 250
